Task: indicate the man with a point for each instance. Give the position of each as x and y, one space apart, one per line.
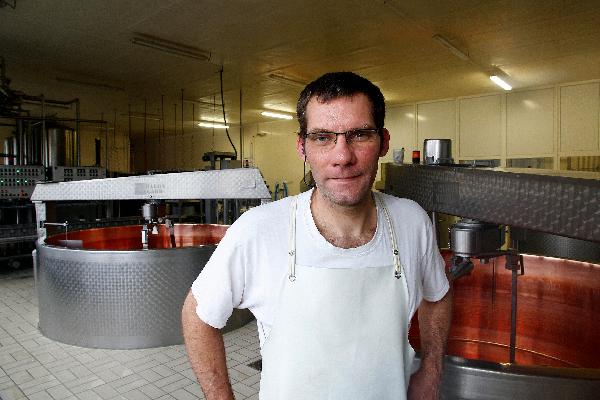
332 275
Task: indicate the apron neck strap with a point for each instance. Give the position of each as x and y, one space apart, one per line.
292 241
395 252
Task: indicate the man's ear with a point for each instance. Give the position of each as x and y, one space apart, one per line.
385 142
301 147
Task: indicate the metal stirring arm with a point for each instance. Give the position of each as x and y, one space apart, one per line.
514 263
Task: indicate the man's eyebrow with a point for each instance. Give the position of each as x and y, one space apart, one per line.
322 130
319 130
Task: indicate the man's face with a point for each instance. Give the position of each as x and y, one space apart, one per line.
345 173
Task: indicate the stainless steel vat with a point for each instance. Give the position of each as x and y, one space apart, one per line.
61 146
98 288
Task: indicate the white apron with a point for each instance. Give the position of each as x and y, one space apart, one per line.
339 333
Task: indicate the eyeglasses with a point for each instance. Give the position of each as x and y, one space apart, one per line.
355 137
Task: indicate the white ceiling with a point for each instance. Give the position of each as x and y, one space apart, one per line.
390 42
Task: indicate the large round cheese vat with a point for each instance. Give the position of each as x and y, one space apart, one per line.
99 288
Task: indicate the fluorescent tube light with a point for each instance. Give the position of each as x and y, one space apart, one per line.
286 80
453 49
498 81
171 47
212 125
276 115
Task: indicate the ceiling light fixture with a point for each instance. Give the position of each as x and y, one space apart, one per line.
453 49
170 47
276 115
286 80
498 81
212 125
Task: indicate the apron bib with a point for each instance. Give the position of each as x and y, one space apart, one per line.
339 333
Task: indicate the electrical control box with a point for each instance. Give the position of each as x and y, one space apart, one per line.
67 174
18 181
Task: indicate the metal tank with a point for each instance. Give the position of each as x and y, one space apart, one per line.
109 288
60 147
98 288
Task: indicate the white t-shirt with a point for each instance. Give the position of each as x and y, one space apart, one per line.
250 263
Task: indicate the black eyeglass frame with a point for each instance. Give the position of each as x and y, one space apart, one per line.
346 133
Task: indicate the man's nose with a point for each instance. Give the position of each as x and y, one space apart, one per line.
342 151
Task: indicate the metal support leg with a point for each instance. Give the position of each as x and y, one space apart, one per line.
236 210
210 211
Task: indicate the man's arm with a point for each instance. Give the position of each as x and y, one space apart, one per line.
434 325
205 349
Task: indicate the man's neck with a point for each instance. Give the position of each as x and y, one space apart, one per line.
342 226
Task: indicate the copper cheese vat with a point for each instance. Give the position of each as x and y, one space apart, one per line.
99 288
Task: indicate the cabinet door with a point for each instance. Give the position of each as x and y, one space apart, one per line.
436 121
400 121
530 123
480 127
579 106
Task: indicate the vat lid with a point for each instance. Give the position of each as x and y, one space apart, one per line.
238 183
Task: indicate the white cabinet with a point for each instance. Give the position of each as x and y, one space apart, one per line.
579 105
400 121
480 127
530 123
436 121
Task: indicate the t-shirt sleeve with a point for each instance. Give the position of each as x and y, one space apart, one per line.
220 286
433 276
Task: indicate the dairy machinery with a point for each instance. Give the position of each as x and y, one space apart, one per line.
122 287
524 260
39 147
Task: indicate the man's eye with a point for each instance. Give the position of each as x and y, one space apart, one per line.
321 137
360 135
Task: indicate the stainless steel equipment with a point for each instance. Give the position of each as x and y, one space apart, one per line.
547 348
437 151
61 147
123 287
67 174
472 238
556 202
99 288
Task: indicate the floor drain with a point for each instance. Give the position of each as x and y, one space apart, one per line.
257 365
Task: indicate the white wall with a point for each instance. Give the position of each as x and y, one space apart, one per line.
271 147
176 151
557 121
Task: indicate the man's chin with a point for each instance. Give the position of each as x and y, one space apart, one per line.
346 198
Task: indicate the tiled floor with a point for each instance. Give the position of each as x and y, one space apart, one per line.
34 367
